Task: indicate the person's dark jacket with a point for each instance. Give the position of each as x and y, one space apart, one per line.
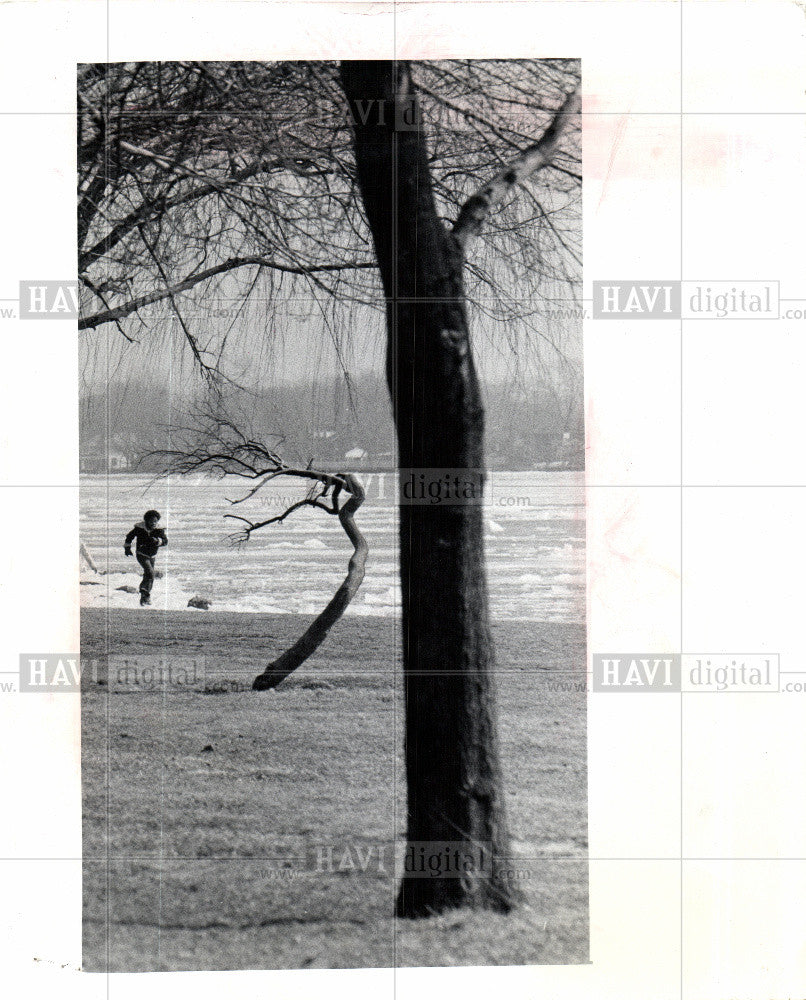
148 542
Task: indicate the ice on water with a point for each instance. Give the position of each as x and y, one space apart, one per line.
535 552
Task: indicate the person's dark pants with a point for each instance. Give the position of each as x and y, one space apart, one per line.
147 562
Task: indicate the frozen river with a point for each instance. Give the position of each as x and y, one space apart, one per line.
535 545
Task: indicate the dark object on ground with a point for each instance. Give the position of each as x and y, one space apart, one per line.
226 687
208 748
127 588
199 602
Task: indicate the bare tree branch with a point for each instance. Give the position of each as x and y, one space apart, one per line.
223 449
222 162
317 632
476 209
109 315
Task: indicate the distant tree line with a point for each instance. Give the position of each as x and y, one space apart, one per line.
320 421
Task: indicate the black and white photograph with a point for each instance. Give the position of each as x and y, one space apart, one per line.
402 493
332 514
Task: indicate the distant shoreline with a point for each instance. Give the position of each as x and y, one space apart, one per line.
373 469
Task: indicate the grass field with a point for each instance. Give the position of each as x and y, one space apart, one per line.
204 804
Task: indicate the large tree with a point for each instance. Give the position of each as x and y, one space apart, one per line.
190 173
455 791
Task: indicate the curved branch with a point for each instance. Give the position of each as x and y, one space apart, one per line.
168 292
228 450
317 632
310 501
476 209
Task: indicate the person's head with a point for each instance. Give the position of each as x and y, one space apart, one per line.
151 518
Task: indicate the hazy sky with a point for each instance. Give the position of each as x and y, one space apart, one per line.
292 341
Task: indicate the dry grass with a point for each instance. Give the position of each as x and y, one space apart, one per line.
192 802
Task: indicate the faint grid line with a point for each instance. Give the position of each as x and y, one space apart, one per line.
682 446
585 114
583 856
393 333
107 153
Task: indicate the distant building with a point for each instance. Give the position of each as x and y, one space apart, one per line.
95 457
357 455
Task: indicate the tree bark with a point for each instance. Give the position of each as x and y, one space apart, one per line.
317 632
453 772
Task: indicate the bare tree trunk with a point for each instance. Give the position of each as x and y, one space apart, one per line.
452 762
317 632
